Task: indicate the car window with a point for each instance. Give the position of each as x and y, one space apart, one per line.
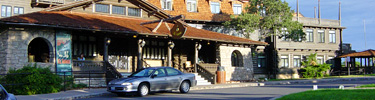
172 71
143 73
160 72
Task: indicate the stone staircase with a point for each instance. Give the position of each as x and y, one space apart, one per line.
201 80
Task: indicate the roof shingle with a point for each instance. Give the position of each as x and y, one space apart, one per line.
118 24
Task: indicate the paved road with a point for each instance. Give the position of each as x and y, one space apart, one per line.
243 93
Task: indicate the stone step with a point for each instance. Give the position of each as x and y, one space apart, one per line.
201 80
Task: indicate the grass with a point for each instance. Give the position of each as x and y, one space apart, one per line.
325 77
332 94
365 86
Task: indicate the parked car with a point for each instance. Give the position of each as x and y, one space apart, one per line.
4 95
153 79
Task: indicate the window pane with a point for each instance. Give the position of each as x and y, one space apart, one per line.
20 11
215 7
15 10
3 11
101 8
237 9
9 11
134 12
172 72
118 10
191 6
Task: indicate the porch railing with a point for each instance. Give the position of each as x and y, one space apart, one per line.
207 72
354 71
111 73
97 66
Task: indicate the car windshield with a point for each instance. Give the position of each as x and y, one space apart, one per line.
142 73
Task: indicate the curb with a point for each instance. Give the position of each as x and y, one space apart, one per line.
317 81
82 96
202 87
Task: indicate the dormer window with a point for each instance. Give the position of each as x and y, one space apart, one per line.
191 5
102 8
237 9
215 7
166 4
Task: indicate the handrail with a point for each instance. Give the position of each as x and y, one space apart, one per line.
211 77
147 65
112 70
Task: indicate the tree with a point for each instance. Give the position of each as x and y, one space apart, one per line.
312 69
271 17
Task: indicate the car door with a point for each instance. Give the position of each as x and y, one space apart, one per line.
158 82
174 78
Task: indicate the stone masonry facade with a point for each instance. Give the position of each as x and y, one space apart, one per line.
14 47
243 73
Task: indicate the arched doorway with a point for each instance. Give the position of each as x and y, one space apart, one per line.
237 59
39 50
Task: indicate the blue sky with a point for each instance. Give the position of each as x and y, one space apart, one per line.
353 12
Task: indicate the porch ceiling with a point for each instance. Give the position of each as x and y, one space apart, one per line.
96 22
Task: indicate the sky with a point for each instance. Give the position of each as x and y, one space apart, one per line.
353 15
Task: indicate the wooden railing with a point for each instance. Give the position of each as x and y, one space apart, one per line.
354 71
206 73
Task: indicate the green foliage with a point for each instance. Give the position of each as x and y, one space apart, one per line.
34 80
332 94
312 69
69 84
365 86
270 16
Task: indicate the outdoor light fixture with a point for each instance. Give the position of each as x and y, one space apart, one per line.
134 36
199 46
108 41
171 45
208 43
142 43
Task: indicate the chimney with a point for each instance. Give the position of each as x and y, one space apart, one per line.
319 14
339 13
297 12
314 12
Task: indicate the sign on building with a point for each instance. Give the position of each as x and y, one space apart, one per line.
63 53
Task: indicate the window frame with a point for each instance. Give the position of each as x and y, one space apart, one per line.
321 58
321 36
114 11
237 59
284 60
18 10
309 35
236 6
214 6
261 61
298 59
166 7
6 13
332 36
195 9
99 10
139 10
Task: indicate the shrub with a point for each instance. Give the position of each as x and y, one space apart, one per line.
312 69
31 80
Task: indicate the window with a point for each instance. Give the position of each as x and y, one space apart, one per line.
102 8
18 10
215 7
6 11
297 61
160 72
309 35
332 36
237 9
166 4
319 59
154 50
118 10
134 12
261 61
191 5
39 50
321 36
172 72
236 59
284 61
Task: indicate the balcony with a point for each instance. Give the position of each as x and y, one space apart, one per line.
47 3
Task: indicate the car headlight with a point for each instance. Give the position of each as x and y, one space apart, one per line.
126 84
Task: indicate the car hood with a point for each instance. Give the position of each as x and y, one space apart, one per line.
122 80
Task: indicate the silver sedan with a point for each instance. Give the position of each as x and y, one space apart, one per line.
153 79
4 95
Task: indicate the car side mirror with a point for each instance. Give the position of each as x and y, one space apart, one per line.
153 76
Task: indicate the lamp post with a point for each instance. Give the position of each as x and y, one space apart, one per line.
141 44
107 41
169 58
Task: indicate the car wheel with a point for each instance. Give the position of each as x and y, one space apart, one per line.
184 87
143 89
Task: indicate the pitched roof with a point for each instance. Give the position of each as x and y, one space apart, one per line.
367 53
75 20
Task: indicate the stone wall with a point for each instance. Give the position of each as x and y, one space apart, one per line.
14 46
244 73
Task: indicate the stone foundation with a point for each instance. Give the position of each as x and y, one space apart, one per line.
93 82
